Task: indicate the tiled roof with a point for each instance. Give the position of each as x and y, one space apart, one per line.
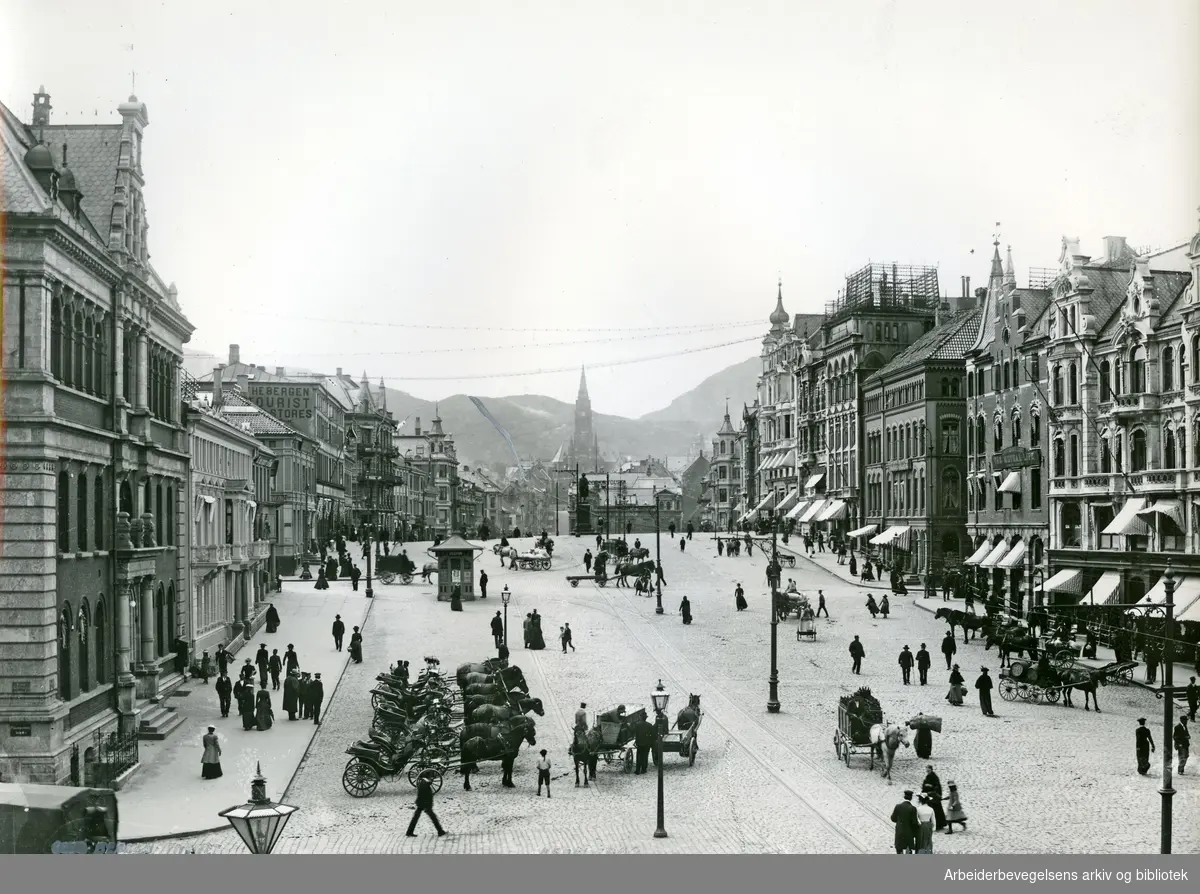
237 409
952 339
1169 288
22 193
1034 303
1109 284
93 151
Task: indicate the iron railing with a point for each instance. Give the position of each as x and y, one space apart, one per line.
116 752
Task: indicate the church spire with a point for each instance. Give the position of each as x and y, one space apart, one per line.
583 392
1010 273
997 274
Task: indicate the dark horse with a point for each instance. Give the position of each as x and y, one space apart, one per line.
1011 641
501 713
509 678
968 622
490 666
585 751
1072 677
494 742
689 716
625 570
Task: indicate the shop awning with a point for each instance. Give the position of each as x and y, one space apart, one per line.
814 481
772 461
863 532
894 536
835 511
813 510
1012 484
767 502
1015 556
1170 508
789 459
1190 612
788 500
1127 521
798 509
980 554
902 538
1107 589
995 555
1069 580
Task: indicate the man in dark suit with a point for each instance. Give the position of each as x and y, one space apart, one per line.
923 662
224 693
904 815
425 805
339 630
644 735
483 579
263 660
316 695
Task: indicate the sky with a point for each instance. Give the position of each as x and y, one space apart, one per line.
448 195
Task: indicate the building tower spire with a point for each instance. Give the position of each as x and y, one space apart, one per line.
779 317
583 392
1010 272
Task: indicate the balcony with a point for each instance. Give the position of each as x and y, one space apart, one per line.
212 554
1135 404
1168 481
260 549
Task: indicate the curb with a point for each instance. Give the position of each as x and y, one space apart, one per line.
192 833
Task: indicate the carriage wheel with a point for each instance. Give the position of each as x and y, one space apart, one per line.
602 581
871 751
628 767
375 701
1062 660
1052 695
695 746
574 583
546 565
386 577
846 753
406 578
360 779
837 744
434 774
1025 691
1008 690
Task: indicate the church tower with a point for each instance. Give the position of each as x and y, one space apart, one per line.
585 447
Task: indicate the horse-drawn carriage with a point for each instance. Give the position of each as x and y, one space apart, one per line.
537 559
807 628
791 603
682 738
861 728
785 558
389 569
1051 678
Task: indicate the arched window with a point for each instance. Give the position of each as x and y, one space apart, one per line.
100 638
1168 369
68 346
1181 450
1035 427
951 491
1137 370
971 436
996 377
1105 454
1072 527
64 512
83 624
126 501
878 332
65 688
1035 550
81 512
1169 449
1016 367
1137 444
954 388
1058 385
997 433
98 510
85 380
970 385
77 372
1016 428
1073 384
1182 361
1119 452
1105 380
56 336
1007 383
980 436
1074 456
1060 458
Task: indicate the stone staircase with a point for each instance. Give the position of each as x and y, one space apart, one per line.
158 719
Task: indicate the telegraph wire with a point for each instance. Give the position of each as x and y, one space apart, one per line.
733 324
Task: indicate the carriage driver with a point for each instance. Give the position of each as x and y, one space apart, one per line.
581 724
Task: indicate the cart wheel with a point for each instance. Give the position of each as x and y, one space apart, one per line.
434 773
406 578
846 753
692 752
1052 695
386 577
574 583
1008 690
602 581
837 744
1062 659
1025 691
360 779
374 701
628 768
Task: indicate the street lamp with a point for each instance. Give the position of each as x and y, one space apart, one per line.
773 573
658 609
260 820
505 597
660 697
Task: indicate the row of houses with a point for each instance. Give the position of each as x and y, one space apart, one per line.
1043 438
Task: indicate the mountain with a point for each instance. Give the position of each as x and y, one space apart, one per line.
704 405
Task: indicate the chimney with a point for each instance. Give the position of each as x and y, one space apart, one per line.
243 383
1114 247
218 374
280 371
235 355
417 428
966 287
339 372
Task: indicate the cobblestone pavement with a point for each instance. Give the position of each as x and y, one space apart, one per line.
1037 779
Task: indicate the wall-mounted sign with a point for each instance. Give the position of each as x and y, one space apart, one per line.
20 730
285 402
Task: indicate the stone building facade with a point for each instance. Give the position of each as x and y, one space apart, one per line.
96 464
1007 509
725 476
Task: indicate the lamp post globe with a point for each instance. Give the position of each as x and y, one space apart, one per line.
260 820
660 697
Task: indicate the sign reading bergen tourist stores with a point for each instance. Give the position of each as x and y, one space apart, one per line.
294 404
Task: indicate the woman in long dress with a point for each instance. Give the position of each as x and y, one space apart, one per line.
685 609
740 598
955 695
322 582
210 762
954 810
356 642
272 619
262 710
871 606
925 819
246 706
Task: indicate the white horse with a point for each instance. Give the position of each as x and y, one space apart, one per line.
886 739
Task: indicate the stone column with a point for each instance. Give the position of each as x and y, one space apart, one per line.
148 621
126 682
141 401
118 355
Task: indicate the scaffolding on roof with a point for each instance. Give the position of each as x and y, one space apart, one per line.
886 286
1042 277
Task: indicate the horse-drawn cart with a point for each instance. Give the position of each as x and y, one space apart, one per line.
617 732
389 569
856 715
682 738
534 560
791 603
598 579
785 558
1021 680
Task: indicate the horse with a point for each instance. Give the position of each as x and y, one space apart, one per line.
491 665
1009 641
486 742
487 690
1084 679
689 716
968 622
637 569
639 552
503 713
583 751
427 571
886 740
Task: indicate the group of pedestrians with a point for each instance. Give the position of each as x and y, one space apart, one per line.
916 822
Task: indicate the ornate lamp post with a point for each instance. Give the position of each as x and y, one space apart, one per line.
505 598
774 571
260 820
660 697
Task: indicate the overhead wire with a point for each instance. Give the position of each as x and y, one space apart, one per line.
374 324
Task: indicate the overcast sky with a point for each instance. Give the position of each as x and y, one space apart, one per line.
318 173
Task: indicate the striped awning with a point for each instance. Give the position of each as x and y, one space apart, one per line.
813 510
1172 509
799 509
787 501
896 535
835 511
767 502
1190 587
1069 580
1127 521
1107 589
1014 558
980 554
863 532
814 481
995 555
